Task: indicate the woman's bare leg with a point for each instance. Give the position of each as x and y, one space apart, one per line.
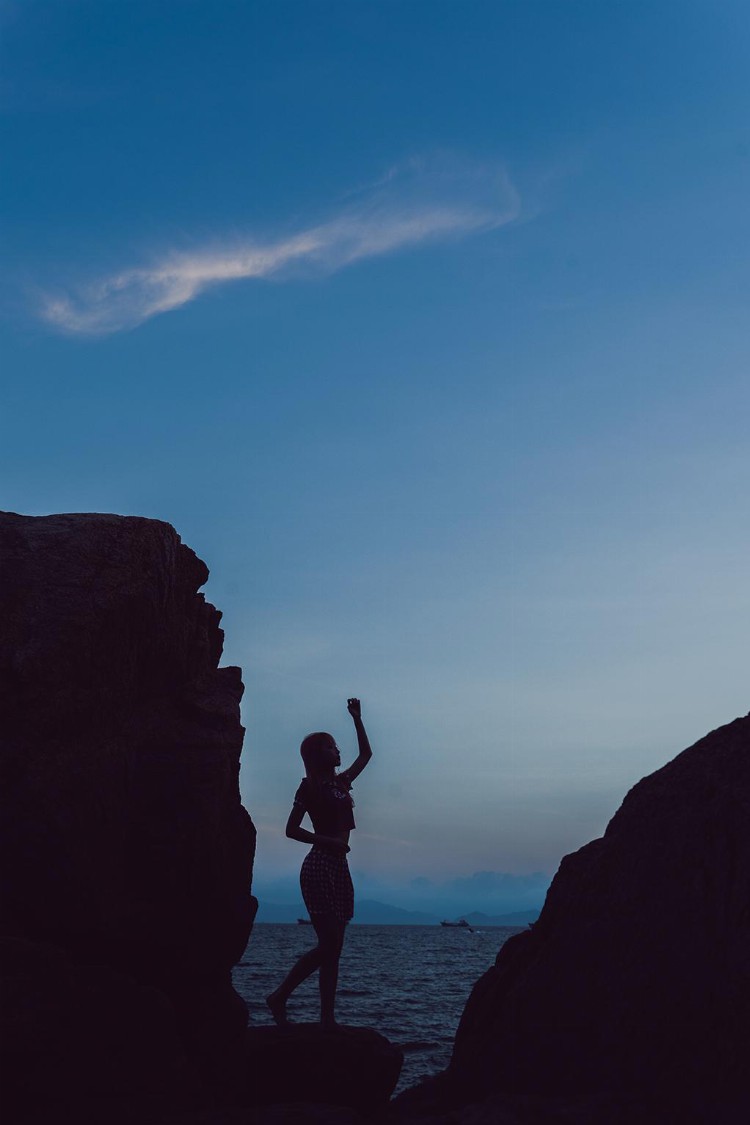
330 941
306 965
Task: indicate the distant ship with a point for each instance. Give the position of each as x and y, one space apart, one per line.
461 924
304 922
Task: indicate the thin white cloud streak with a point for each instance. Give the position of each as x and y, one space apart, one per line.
380 225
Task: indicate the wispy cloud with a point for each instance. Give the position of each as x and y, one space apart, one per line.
412 204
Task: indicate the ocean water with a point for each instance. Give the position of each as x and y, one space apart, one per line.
410 983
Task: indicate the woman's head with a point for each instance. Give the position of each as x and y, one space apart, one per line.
320 752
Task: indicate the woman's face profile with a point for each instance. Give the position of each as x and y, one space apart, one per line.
329 755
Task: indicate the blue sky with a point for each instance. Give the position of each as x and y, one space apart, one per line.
425 324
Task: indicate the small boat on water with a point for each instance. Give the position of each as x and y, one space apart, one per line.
462 924
304 922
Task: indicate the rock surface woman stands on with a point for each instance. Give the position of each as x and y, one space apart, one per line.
324 878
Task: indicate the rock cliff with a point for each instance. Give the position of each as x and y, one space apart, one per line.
128 856
634 985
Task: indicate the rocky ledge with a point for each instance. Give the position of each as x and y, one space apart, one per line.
353 1067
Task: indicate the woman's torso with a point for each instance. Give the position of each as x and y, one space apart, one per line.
329 806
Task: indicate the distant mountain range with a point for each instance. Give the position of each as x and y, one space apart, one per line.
371 912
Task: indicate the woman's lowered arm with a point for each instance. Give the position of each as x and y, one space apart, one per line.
295 831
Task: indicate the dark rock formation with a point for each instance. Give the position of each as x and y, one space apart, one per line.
84 1032
355 1067
127 854
635 981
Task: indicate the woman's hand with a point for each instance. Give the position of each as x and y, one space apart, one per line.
354 707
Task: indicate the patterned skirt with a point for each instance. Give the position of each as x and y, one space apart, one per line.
327 885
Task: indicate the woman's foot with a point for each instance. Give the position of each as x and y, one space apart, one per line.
277 1007
330 1025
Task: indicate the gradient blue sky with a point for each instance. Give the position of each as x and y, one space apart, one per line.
426 325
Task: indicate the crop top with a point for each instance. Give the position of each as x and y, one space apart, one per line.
328 805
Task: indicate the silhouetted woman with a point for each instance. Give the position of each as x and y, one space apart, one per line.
324 878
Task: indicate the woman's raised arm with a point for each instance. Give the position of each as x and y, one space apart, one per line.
354 707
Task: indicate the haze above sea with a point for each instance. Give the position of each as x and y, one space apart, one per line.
410 983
